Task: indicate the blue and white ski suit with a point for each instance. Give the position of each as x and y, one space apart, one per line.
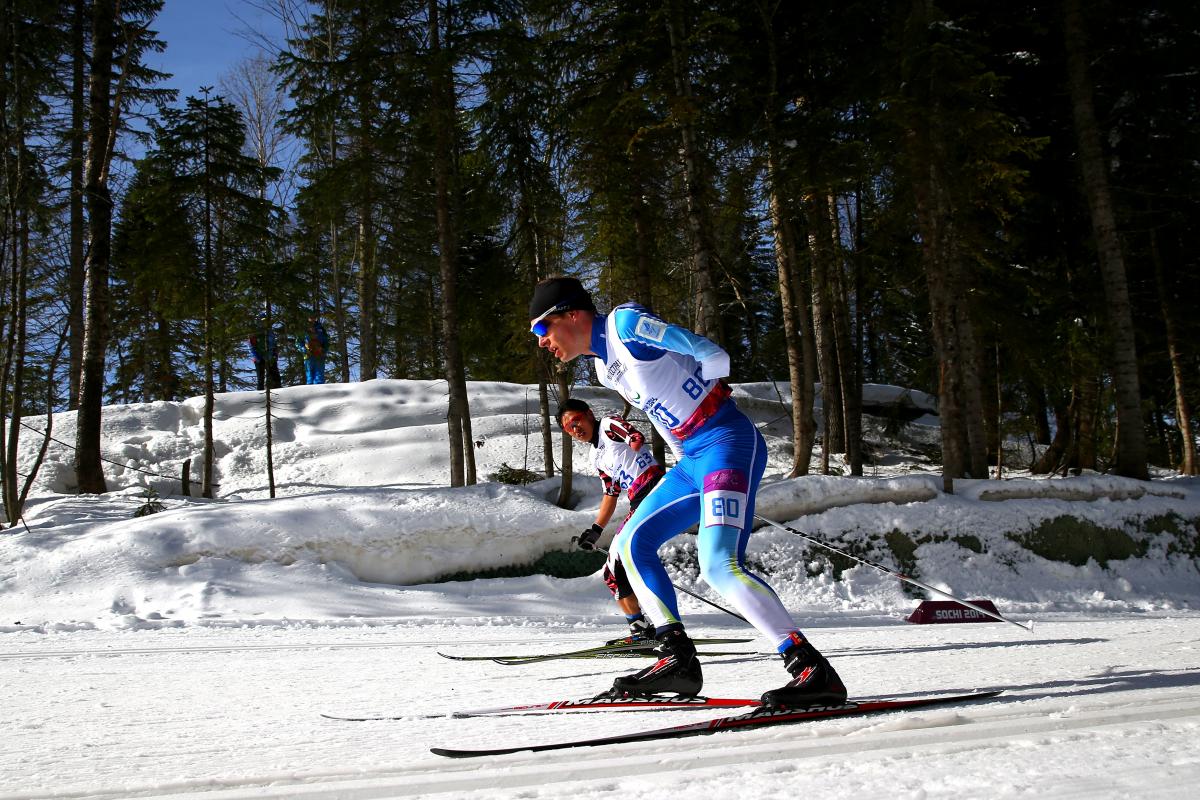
673 376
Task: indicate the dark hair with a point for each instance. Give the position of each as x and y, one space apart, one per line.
572 404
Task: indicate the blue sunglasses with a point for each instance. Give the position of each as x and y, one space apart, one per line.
539 327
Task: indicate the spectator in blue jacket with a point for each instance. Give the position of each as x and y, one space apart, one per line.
313 345
265 355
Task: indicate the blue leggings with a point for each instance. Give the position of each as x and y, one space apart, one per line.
713 484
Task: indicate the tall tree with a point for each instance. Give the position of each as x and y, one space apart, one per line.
794 296
1131 430
120 29
78 140
518 132
261 103
961 160
443 116
201 150
694 177
156 278
89 474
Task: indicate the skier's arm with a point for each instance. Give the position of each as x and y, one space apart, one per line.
618 430
587 539
608 504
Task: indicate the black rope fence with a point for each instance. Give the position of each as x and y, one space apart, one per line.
72 448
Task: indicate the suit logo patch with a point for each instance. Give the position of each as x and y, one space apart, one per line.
650 329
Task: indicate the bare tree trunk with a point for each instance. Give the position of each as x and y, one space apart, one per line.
75 276
269 318
368 291
833 439
643 287
339 306
368 278
462 456
794 302
797 328
568 468
860 313
261 103
971 378
546 415
1087 397
13 280
1131 433
206 481
1183 414
851 389
1037 395
960 401
540 358
703 260
1055 453
14 357
998 416
48 434
937 231
89 475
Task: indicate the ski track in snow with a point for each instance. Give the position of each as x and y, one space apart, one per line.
191 653
1095 707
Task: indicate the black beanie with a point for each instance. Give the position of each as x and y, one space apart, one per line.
567 293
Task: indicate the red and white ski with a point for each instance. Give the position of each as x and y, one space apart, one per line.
613 704
585 704
757 718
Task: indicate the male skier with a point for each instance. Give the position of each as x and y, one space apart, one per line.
623 464
673 375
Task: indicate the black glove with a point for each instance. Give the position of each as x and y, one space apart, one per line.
587 539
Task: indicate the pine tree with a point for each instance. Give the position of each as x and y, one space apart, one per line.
119 38
960 155
28 50
200 148
157 281
1131 431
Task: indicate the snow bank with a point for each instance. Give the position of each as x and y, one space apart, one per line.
363 522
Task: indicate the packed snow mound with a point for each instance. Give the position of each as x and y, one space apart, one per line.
1089 487
812 494
200 560
364 521
374 433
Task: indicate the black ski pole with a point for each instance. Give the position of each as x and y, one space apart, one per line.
892 572
679 588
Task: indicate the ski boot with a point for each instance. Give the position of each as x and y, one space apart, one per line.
641 630
813 683
677 670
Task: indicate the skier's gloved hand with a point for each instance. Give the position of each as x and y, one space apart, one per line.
587 539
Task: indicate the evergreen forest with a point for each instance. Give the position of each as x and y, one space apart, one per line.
995 203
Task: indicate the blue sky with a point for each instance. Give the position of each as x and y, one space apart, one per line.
205 40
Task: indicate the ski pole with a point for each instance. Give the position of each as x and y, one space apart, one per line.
892 572
679 588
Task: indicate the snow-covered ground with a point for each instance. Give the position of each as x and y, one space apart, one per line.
192 652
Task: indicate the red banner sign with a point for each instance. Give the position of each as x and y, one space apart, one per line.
932 612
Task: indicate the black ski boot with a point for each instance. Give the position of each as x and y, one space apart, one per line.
640 630
677 670
813 683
